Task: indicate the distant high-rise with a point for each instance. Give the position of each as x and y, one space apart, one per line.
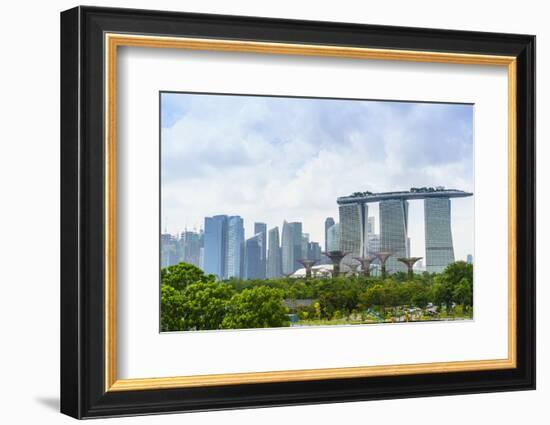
373 238
215 233
314 251
439 239
190 244
373 244
353 228
469 259
201 258
333 238
291 246
371 221
168 250
287 251
274 263
261 229
329 222
393 232
253 258
305 247
234 242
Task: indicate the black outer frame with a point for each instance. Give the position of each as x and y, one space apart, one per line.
82 212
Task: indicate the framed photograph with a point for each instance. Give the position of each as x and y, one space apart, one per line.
261 212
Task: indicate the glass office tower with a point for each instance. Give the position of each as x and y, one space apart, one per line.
291 246
333 238
439 239
329 222
215 232
393 232
353 228
190 247
253 258
233 250
261 229
274 263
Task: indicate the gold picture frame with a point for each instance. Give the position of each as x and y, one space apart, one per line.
114 41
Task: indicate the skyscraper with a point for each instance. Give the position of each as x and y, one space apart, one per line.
168 250
305 247
190 247
470 259
261 229
201 249
291 246
333 238
314 251
373 238
437 228
374 243
233 250
329 222
371 221
353 228
393 231
215 233
287 257
252 258
201 258
274 263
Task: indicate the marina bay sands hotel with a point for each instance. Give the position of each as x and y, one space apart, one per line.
393 211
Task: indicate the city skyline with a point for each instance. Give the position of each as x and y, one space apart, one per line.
223 250
224 242
272 160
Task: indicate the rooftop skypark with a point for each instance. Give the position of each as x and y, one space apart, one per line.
413 193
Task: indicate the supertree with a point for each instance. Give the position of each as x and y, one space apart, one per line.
365 264
409 262
336 258
308 265
383 257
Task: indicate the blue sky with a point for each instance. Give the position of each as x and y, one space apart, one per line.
269 158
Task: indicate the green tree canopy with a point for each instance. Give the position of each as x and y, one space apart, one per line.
205 305
463 293
180 275
457 271
258 307
192 300
454 284
171 309
420 297
373 296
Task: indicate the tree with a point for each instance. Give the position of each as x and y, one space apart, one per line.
463 293
393 293
258 307
171 309
205 305
421 297
373 296
455 275
400 276
180 275
316 310
457 271
442 292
